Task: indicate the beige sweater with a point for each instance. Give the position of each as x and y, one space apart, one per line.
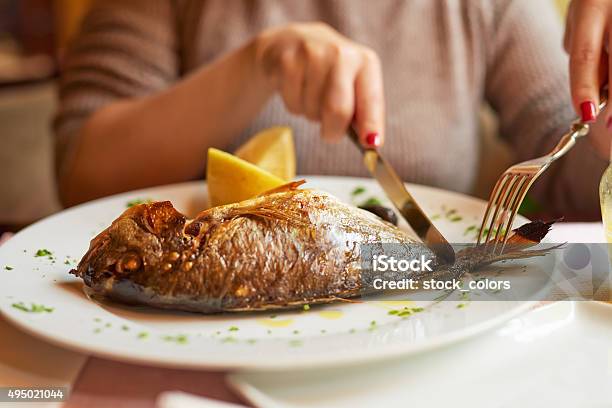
441 60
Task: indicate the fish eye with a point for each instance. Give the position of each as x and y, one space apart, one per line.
128 262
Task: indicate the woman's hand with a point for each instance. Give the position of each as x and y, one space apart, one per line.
587 34
325 77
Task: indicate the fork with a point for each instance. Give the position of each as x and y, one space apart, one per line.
512 186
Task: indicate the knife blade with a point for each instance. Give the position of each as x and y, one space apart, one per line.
396 191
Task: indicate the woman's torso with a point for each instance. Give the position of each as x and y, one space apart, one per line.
433 55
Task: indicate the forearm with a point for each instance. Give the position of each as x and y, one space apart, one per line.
163 138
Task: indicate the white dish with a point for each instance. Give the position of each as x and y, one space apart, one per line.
558 355
325 335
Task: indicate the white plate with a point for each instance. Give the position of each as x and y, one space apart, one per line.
325 335
555 356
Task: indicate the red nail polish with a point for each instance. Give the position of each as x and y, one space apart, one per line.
609 123
373 139
587 110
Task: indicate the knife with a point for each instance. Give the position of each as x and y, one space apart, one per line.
395 190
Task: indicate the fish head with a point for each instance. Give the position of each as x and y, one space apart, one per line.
144 239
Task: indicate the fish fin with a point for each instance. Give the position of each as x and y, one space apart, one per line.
532 232
519 252
293 185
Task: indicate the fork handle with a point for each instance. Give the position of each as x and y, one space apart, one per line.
578 129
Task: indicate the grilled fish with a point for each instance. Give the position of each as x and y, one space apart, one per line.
285 248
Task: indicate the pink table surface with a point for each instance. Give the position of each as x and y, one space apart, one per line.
104 383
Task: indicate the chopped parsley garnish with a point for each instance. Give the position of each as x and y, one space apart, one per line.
33 308
251 341
371 201
435 217
461 305
306 308
233 328
470 229
228 339
455 218
143 335
43 252
406 311
295 343
179 339
125 328
358 190
8 268
138 201
352 331
296 332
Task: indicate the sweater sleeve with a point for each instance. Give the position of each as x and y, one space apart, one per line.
527 84
125 49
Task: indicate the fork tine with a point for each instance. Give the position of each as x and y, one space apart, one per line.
511 207
492 200
499 205
519 199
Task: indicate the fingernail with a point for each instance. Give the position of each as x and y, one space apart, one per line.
587 110
373 139
609 123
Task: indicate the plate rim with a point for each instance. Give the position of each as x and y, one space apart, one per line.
299 361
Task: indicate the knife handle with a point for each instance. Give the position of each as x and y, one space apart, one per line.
352 134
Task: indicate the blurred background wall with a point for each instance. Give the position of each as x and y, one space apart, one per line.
33 36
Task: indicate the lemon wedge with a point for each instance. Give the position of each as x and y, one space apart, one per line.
231 179
272 150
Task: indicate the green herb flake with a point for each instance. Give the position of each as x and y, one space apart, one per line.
233 328
306 308
455 218
97 320
371 201
352 331
125 328
179 339
43 252
107 325
97 330
229 339
295 343
358 190
272 316
406 311
435 217
138 201
251 341
296 332
33 308
469 229
323 331
8 268
143 335
461 305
